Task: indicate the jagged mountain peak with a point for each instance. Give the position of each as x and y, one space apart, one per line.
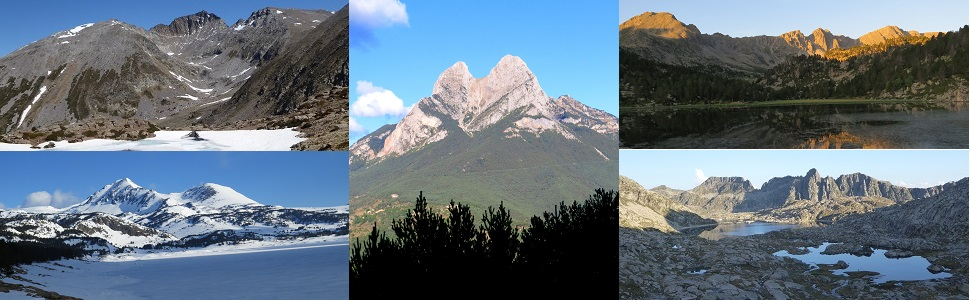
812 173
510 72
188 24
820 30
661 24
455 77
478 103
117 185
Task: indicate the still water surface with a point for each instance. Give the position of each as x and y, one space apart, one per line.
881 125
743 229
889 269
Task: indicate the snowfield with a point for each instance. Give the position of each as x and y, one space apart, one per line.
224 140
313 269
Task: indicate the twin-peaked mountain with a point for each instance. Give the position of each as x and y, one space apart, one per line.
808 198
485 140
195 70
124 214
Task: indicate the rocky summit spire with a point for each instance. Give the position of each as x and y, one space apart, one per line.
187 24
453 80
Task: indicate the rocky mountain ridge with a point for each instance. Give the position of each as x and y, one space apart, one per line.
663 38
807 198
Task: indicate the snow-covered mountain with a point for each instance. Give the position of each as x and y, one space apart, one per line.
124 214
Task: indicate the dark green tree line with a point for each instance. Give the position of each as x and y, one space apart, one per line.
570 252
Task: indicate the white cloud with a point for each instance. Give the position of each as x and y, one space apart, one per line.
355 127
374 101
43 198
368 15
374 14
699 174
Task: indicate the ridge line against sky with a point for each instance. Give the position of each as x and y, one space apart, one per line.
685 169
399 48
775 17
29 21
288 179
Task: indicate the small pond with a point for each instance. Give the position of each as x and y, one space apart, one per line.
889 269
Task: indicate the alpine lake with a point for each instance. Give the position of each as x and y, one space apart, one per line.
808 124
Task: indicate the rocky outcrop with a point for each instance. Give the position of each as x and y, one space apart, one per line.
818 41
660 24
188 24
719 194
98 128
641 208
942 216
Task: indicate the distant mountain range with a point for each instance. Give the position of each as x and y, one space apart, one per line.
195 72
664 61
480 141
650 33
808 198
123 214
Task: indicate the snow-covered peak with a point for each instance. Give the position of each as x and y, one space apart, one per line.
125 182
120 196
214 195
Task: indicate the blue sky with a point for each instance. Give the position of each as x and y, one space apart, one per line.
774 17
26 21
398 49
289 179
685 169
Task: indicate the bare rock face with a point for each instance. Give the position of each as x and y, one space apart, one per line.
807 198
476 104
661 24
641 208
942 216
817 43
188 24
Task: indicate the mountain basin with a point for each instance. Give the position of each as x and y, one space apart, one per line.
889 269
743 229
799 124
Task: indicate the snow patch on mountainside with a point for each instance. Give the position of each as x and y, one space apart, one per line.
226 140
74 31
26 110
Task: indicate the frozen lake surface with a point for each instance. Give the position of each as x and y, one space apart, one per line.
224 140
303 271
